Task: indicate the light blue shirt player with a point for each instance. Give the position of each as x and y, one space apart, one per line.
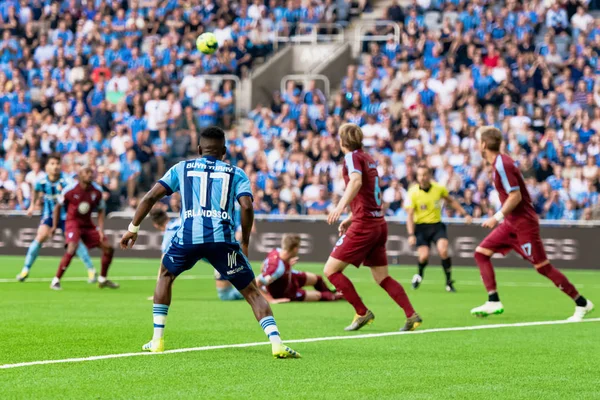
51 190
209 190
171 229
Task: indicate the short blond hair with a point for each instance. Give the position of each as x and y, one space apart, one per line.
491 136
351 136
290 241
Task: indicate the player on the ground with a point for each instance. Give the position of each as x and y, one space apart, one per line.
169 227
50 187
80 199
520 230
363 233
209 188
424 223
282 283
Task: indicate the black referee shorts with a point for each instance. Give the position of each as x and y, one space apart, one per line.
427 234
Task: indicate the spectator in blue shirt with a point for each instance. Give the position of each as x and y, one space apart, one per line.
130 172
554 208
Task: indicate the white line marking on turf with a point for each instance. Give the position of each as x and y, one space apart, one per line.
210 277
308 340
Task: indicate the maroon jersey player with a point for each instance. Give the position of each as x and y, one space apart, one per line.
363 235
280 283
519 230
81 199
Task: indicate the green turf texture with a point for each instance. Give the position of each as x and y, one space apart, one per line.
539 362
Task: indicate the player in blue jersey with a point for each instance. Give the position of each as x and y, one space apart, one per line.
209 188
50 187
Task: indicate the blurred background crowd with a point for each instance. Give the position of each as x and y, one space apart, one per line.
118 84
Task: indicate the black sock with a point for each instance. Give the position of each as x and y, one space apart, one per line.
581 301
447 265
493 297
422 266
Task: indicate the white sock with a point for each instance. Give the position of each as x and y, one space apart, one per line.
159 316
270 327
55 280
101 279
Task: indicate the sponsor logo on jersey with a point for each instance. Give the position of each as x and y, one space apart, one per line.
206 213
84 207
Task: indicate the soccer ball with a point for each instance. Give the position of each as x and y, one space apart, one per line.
207 43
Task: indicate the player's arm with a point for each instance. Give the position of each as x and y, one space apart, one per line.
150 199
352 188
56 216
410 226
267 295
247 217
456 206
101 218
34 201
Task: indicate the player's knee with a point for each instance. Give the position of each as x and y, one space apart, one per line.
481 255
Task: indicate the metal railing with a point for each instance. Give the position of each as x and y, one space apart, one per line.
305 78
308 33
361 37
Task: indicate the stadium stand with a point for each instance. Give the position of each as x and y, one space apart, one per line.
119 84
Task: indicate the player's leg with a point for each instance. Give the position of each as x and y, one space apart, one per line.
442 247
395 290
350 249
226 291
65 261
160 309
531 248
325 294
423 260
333 270
500 240
84 255
228 260
107 255
43 234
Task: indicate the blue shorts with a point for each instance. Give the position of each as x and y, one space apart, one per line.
226 258
48 221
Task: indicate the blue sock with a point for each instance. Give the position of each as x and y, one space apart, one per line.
270 327
230 293
159 316
32 253
82 252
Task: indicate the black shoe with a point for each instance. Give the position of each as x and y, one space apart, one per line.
108 284
416 281
450 287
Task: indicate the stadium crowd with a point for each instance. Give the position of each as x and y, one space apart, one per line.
116 84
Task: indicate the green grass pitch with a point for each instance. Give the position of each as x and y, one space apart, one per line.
521 362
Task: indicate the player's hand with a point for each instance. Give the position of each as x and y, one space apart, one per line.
412 240
52 231
294 261
102 236
128 240
334 216
468 219
278 301
344 226
490 223
30 211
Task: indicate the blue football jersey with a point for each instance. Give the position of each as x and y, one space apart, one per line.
209 189
172 228
51 191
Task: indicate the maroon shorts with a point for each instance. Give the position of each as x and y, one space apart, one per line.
293 290
363 244
89 236
525 241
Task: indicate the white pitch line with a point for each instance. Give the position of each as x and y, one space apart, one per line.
210 277
307 340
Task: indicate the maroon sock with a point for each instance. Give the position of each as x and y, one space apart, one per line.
64 264
487 271
321 286
344 285
327 296
105 262
396 292
559 279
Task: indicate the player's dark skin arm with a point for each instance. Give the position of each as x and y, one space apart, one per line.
247 217
149 200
